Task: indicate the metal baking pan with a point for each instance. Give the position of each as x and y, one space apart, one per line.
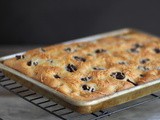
83 106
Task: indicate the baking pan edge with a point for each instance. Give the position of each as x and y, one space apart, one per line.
92 105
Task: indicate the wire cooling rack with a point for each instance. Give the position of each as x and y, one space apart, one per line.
64 113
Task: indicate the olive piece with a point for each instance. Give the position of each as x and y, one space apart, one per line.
98 68
137 45
86 79
19 57
157 50
143 61
100 51
71 68
143 68
57 76
118 75
134 50
29 63
79 58
88 88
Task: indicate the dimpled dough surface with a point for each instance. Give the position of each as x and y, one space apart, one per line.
89 70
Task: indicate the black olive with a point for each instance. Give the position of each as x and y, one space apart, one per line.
29 63
122 63
141 75
143 61
137 45
92 89
86 79
88 88
57 76
157 50
98 68
85 87
79 58
118 75
143 68
100 51
71 68
19 57
134 50
69 50
35 63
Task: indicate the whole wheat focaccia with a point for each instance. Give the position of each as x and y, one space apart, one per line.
90 70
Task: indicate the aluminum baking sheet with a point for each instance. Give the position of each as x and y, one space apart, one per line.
131 93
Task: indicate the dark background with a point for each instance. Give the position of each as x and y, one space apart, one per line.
52 21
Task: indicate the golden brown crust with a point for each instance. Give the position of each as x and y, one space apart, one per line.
90 70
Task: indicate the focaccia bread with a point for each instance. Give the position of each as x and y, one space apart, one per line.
90 70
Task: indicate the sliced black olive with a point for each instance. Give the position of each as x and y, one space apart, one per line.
92 89
118 75
19 57
157 50
143 61
98 68
122 62
137 45
134 50
85 87
69 50
71 68
86 78
143 68
57 76
100 51
35 63
29 63
141 75
88 88
79 58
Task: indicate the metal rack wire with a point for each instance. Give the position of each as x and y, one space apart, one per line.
61 112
